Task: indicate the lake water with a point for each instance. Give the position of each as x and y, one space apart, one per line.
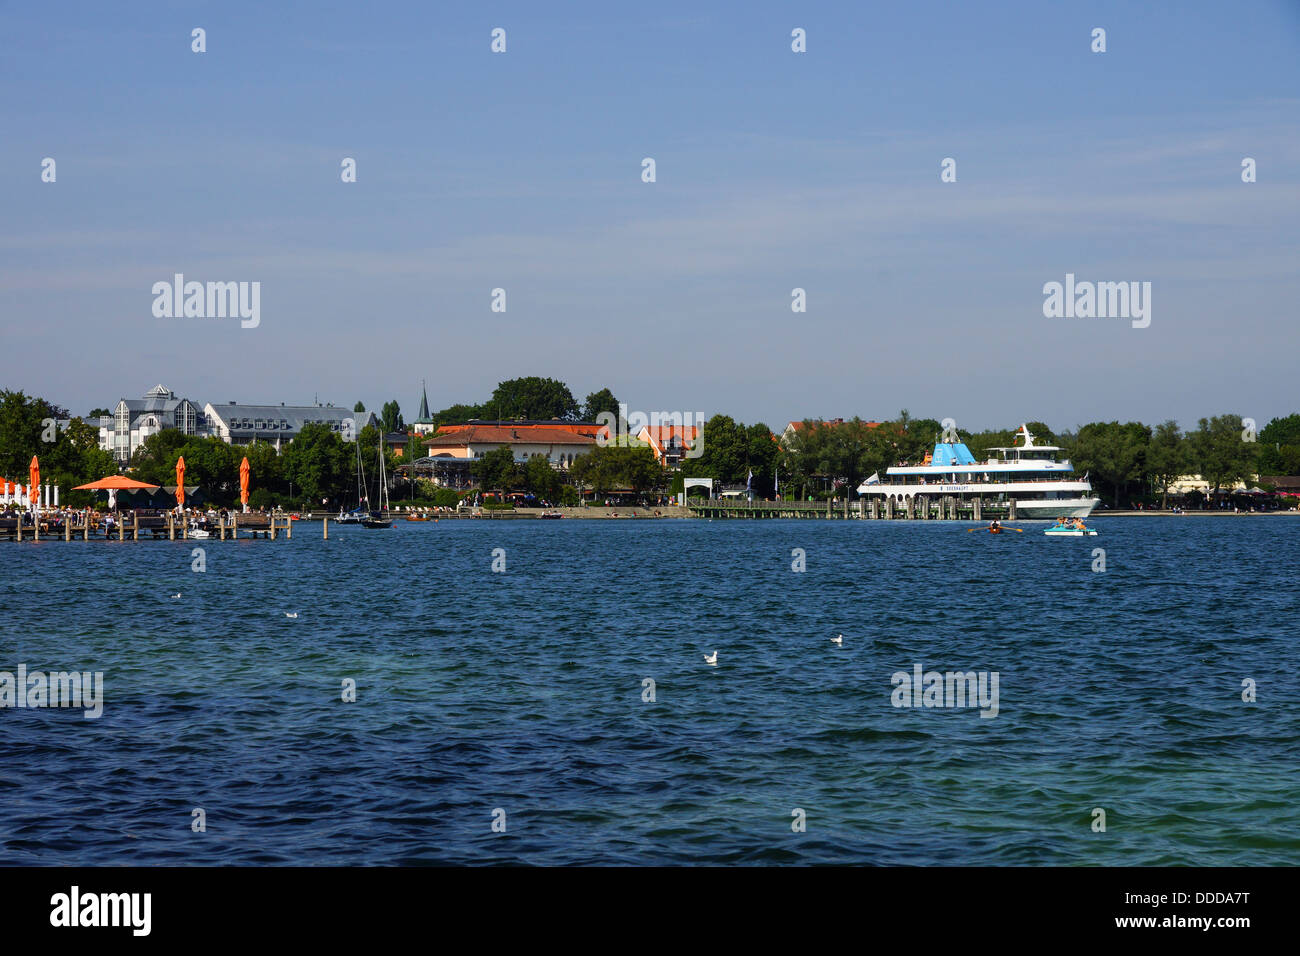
523 691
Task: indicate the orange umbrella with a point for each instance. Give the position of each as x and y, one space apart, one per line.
115 483
243 482
34 489
180 481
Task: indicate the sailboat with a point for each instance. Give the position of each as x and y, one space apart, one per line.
376 519
357 514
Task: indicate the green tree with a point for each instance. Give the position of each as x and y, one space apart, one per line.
496 470
1166 458
321 465
155 460
96 413
837 456
1111 453
722 454
75 459
1219 451
24 422
391 416
458 414
597 402
359 407
266 469
1279 447
611 467
533 397
541 479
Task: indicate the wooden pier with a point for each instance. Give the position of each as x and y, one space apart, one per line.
85 526
920 508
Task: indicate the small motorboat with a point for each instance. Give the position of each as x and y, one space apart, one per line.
551 514
1062 531
198 533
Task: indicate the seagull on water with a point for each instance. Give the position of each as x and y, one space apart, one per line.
293 615
838 640
176 595
711 660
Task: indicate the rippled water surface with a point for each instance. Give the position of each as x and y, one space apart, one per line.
523 691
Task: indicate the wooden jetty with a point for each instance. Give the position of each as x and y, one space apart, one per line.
135 526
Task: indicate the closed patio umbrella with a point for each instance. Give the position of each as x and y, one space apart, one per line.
34 488
180 482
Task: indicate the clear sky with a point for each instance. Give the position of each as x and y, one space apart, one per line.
775 170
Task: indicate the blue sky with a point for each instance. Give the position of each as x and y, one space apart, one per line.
775 170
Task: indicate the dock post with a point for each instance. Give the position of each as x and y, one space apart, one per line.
978 506
67 527
85 527
135 525
1011 513
121 529
325 526
171 526
288 529
18 529
272 531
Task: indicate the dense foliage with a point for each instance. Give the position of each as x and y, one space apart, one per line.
1124 461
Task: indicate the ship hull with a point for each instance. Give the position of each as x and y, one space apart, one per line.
1055 507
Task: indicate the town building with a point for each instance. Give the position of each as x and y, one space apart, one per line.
135 419
280 424
559 444
670 443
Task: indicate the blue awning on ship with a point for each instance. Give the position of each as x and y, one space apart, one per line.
952 453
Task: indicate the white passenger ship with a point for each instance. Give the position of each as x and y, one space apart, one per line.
1026 473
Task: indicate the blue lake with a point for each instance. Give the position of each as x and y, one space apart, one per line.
1119 690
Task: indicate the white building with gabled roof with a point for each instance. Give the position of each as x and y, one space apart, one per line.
135 419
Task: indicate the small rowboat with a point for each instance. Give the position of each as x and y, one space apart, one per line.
1069 532
995 530
416 518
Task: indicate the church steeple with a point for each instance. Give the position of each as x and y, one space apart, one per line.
424 404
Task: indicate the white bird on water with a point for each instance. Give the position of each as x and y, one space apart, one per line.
287 614
838 640
176 595
712 661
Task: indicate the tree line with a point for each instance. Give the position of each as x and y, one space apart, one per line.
1124 461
